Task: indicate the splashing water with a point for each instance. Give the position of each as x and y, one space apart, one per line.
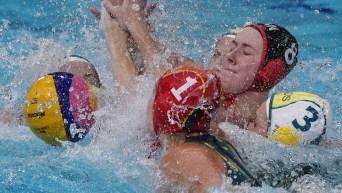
37 36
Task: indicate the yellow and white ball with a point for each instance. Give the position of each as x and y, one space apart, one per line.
59 107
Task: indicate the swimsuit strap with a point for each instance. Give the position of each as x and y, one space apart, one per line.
233 154
235 166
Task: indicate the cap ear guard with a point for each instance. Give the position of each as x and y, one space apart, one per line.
270 75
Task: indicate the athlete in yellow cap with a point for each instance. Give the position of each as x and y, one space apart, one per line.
293 118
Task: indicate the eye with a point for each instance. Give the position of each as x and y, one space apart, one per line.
247 53
88 74
216 53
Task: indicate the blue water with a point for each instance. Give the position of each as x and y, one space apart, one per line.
36 35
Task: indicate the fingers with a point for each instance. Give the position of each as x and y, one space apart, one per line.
142 3
117 13
109 7
116 2
150 9
125 13
95 12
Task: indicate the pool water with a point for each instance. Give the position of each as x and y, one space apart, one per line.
35 36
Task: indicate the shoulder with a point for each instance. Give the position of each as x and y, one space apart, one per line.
193 155
186 161
247 104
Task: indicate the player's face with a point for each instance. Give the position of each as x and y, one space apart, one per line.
83 70
236 60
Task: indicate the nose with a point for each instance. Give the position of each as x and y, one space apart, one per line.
230 56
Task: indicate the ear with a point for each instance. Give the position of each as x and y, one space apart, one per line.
271 74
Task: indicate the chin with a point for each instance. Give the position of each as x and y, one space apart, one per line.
233 89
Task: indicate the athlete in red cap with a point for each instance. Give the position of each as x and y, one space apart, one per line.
186 99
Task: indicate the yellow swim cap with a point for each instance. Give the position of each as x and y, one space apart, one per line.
297 117
59 106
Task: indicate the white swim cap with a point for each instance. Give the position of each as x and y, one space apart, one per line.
298 117
72 58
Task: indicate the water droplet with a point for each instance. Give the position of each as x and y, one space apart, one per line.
82 116
27 102
135 7
48 104
40 108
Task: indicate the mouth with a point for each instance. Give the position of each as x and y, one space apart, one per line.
219 68
230 70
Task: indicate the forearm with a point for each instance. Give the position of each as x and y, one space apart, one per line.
150 48
147 46
123 68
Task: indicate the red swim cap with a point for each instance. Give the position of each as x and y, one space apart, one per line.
279 56
185 100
